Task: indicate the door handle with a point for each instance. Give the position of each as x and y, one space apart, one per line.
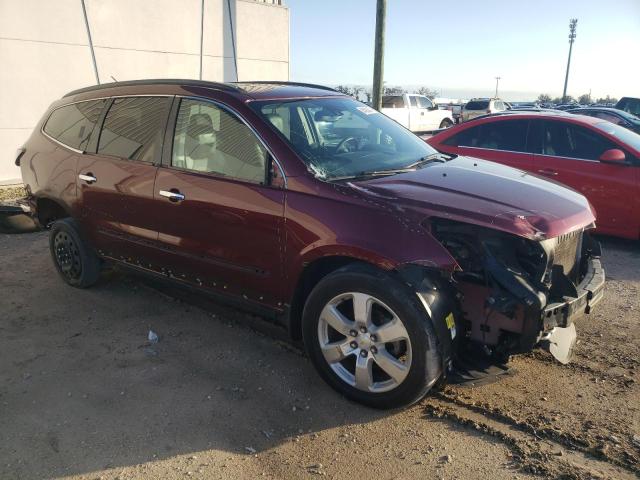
422 113
89 178
171 195
548 173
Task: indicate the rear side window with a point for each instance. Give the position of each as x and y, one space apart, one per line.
72 125
506 135
477 105
393 101
630 105
133 128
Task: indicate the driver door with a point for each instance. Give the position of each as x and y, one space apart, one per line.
428 115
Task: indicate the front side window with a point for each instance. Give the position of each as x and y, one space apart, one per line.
424 102
562 139
508 135
210 139
72 125
339 138
133 128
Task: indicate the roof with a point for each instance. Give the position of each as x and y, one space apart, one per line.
254 89
575 118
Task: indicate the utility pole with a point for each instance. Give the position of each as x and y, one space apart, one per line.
572 36
378 59
497 80
93 55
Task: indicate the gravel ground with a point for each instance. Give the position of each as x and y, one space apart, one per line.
83 394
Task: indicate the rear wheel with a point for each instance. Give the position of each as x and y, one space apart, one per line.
446 123
73 257
369 339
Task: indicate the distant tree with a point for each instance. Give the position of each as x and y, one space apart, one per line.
427 92
584 99
352 91
559 100
607 99
544 98
393 91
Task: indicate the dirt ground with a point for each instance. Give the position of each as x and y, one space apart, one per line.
84 395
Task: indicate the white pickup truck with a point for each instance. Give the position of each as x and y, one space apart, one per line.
415 112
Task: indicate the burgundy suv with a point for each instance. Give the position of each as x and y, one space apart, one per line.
386 257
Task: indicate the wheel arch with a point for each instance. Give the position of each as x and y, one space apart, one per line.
49 210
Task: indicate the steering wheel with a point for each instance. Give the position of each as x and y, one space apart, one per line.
342 146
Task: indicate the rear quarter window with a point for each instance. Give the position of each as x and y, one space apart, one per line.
133 128
72 125
477 105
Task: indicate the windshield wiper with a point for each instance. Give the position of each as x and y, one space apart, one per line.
412 167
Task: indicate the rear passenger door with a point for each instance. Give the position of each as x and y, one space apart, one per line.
502 141
222 216
117 174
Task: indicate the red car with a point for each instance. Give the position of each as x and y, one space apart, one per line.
595 157
297 202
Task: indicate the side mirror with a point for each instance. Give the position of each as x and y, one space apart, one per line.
614 155
433 107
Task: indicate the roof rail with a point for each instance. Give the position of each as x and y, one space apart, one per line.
157 81
276 82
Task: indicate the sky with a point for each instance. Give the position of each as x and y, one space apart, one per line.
458 47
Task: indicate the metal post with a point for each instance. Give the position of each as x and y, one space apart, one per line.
497 80
201 35
572 36
93 55
378 59
233 39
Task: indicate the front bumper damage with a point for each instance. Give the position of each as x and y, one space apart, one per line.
516 294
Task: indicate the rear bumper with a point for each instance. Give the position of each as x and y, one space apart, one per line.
590 292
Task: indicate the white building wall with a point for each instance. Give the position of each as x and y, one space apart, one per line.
44 50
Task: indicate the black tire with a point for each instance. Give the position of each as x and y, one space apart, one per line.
446 123
74 259
425 364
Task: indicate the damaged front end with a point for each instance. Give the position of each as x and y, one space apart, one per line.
516 293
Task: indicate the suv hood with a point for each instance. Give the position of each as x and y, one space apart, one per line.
488 194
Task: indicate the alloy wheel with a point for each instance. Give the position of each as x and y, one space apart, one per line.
364 342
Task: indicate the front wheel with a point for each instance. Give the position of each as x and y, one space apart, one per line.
446 123
369 338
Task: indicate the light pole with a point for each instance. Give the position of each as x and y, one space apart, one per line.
572 36
378 58
497 80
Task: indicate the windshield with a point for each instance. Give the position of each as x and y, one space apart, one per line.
626 136
341 137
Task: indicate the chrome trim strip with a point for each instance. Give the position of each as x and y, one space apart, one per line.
255 132
529 153
58 142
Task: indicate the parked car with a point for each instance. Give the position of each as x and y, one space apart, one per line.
312 209
416 112
630 105
482 106
613 115
595 157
